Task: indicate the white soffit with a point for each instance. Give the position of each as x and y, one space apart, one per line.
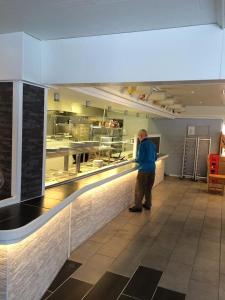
126 101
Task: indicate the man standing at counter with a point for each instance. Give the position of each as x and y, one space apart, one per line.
146 157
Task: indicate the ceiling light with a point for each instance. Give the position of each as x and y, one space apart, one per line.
200 102
192 92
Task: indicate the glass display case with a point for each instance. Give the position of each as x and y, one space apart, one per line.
79 145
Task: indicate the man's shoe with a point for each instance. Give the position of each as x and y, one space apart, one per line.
146 207
135 209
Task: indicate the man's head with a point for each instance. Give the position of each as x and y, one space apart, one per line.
142 134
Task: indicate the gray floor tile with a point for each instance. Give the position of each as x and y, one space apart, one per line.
128 231
113 247
103 235
157 257
208 250
223 235
151 229
176 277
206 264
200 204
184 253
130 258
209 277
194 224
85 251
189 237
183 208
93 269
222 259
120 221
197 214
167 239
212 223
187 201
211 234
201 291
160 217
140 219
222 287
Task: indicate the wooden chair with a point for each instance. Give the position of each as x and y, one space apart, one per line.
216 183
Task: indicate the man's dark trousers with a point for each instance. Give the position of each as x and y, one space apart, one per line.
143 188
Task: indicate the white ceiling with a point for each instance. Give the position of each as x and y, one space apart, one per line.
197 94
205 94
53 19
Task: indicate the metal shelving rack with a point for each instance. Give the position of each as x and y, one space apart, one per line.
189 155
195 155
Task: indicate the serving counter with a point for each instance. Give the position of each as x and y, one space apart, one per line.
38 235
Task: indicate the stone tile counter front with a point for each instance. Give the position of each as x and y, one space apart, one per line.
6 103
38 235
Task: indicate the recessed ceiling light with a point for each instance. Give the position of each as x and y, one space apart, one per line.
192 92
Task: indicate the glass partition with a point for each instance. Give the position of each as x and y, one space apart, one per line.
86 134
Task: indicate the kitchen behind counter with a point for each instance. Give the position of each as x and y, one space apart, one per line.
67 159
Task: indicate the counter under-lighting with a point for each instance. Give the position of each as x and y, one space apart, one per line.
38 235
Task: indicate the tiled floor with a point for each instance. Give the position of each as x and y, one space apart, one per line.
177 249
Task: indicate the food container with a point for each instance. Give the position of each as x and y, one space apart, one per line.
98 163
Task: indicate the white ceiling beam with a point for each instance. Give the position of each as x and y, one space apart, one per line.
220 13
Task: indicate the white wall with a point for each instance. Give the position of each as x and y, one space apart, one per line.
20 57
11 49
173 133
32 59
222 69
189 53
133 124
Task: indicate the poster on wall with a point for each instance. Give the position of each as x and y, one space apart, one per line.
191 130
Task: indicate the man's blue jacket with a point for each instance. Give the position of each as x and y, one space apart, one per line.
146 156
